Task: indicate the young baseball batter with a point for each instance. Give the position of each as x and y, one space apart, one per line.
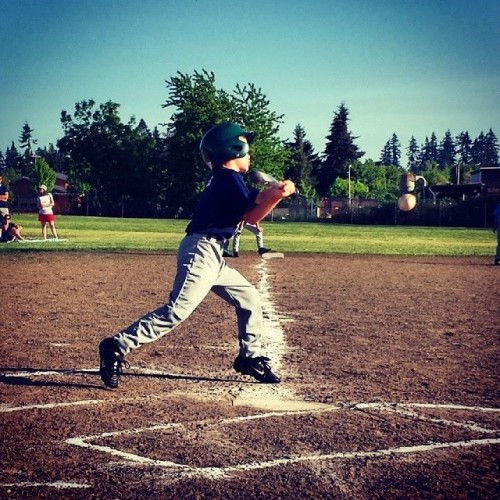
201 267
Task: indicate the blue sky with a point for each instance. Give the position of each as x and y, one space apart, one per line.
412 67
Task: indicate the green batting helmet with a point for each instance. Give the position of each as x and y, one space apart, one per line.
222 143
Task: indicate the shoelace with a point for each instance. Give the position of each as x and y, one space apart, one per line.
117 366
263 362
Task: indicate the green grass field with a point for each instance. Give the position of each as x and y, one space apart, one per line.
99 234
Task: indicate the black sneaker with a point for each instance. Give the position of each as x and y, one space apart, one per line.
257 368
110 367
263 250
236 254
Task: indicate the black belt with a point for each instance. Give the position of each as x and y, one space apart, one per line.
216 237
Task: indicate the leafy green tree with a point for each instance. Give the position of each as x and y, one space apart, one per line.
198 106
251 107
434 175
43 173
382 181
107 155
339 152
53 157
340 189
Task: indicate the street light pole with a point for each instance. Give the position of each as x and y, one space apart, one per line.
349 183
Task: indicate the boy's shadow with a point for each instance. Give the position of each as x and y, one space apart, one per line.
26 380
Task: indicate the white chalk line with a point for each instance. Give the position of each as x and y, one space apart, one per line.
273 342
403 409
89 402
59 485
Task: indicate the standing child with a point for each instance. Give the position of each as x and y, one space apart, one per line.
201 266
259 237
45 212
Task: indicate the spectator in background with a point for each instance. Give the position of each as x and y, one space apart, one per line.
4 198
10 230
45 212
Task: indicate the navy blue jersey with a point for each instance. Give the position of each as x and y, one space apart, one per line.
223 203
3 190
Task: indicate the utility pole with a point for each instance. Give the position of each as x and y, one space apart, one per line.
349 183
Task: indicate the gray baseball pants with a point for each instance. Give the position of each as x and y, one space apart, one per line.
201 268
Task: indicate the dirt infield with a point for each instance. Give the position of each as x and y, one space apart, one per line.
389 367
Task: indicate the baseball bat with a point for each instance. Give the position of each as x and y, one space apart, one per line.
265 179
262 178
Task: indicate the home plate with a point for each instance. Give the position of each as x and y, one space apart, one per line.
275 403
273 255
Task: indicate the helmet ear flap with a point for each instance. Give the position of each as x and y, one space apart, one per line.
241 149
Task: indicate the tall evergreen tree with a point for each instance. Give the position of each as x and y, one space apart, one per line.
490 149
478 150
433 148
395 149
27 142
413 154
13 160
385 154
429 152
391 154
464 148
302 163
446 152
339 152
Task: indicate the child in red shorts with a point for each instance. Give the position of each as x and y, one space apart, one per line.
45 212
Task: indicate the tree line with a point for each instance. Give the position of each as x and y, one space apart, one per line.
160 172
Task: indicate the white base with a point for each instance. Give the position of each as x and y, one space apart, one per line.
273 255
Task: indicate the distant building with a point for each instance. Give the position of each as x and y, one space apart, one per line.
484 181
24 195
489 177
